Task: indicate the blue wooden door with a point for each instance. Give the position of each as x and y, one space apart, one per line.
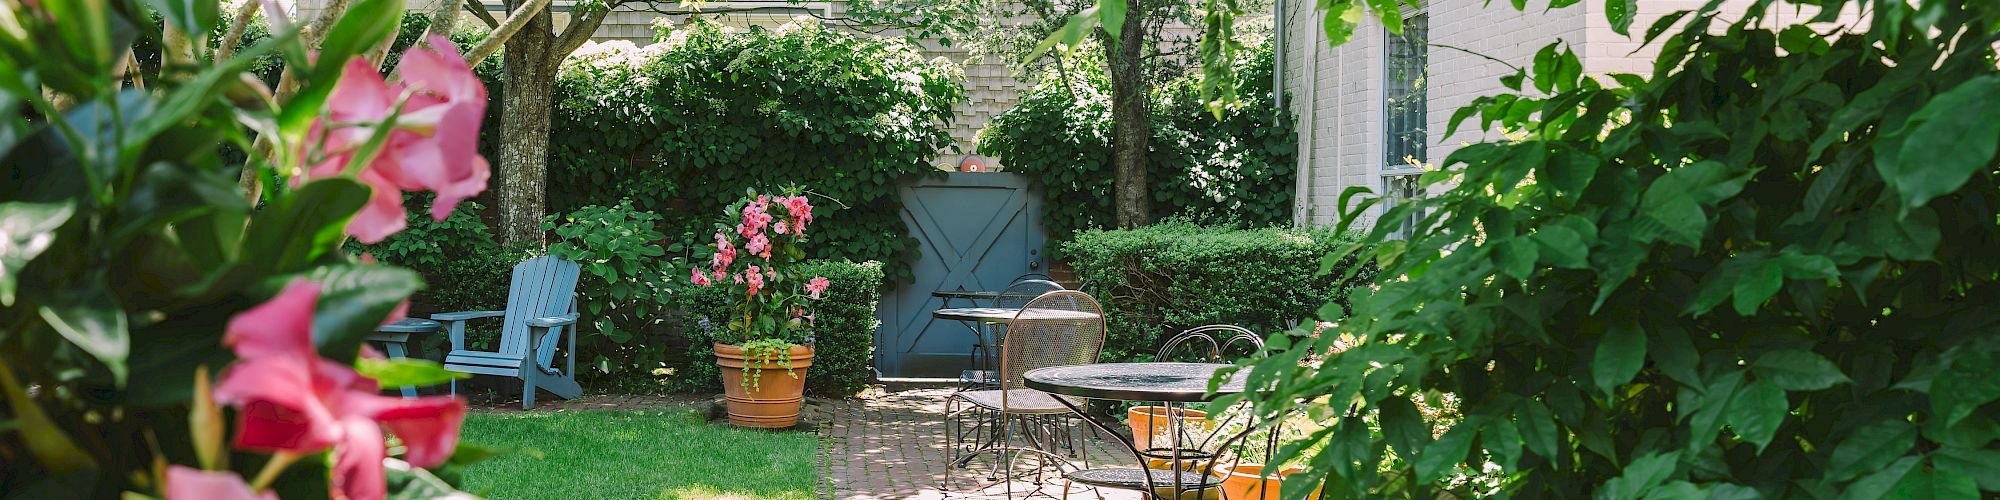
979 231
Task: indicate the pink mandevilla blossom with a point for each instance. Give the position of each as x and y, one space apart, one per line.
699 278
779 228
289 399
188 483
817 286
759 245
754 277
435 144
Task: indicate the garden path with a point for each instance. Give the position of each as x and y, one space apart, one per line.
892 446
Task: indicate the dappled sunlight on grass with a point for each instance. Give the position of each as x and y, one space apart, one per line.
637 454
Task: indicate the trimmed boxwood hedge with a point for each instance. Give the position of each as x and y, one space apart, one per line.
1168 277
844 343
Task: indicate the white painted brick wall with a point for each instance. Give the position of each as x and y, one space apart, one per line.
1340 106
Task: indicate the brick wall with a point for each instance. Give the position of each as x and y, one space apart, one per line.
1337 92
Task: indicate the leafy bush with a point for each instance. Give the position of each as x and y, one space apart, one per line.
464 267
1161 279
685 126
1765 272
844 336
625 290
1238 168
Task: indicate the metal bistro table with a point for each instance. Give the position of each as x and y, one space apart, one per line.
980 317
1161 382
971 295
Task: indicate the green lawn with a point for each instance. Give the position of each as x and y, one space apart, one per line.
637 454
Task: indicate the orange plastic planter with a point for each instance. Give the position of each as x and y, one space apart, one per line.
1149 421
775 403
1243 482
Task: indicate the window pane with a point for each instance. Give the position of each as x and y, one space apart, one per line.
1407 99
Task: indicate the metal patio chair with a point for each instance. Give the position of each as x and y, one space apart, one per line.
1058 328
988 337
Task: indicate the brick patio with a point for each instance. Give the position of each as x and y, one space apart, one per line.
893 447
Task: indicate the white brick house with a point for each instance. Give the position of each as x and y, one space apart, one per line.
1346 98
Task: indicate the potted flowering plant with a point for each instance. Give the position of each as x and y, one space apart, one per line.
770 313
172 333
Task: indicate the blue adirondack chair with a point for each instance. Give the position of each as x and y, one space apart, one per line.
541 310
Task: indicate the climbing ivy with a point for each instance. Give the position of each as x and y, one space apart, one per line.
684 127
1767 271
1238 169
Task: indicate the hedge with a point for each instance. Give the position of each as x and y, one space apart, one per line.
844 338
684 126
1239 168
1161 279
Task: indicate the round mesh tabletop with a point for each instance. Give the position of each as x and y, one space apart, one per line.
1166 382
965 294
1132 479
1005 314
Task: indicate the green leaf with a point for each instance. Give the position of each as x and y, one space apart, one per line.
1877 485
1069 36
1756 286
1641 476
89 316
302 225
1516 257
1563 245
366 23
1449 449
1796 370
353 301
1927 484
1620 13
1570 171
1502 438
406 372
1619 356
1870 448
1403 426
26 230
1756 412
1982 465
1538 428
1945 142
1966 384
1112 13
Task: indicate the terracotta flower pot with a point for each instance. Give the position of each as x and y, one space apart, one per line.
1243 482
1149 421
774 404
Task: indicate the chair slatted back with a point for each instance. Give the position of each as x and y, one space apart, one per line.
1059 328
542 287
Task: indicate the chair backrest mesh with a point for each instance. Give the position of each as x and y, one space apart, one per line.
1019 293
1211 344
1059 328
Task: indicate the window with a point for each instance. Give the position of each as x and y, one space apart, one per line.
1404 82
1397 188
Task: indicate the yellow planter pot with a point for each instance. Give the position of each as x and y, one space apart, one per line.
1245 482
1150 421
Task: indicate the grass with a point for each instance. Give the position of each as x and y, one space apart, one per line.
636 454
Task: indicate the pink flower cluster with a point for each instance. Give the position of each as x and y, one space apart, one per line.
290 400
434 146
756 223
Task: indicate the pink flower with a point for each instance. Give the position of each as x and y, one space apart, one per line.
699 278
799 208
717 276
435 144
188 483
760 246
289 399
817 286
754 277
779 228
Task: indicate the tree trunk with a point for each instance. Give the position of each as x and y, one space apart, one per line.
1130 119
524 131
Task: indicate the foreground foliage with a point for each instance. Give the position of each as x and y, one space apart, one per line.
1754 275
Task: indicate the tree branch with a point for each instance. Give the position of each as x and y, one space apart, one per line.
444 19
478 10
515 21
581 26
235 34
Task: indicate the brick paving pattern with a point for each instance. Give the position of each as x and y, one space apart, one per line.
893 447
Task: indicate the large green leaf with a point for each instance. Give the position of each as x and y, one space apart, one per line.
89 316
1756 412
193 17
1620 13
1963 386
1870 448
354 300
366 23
26 230
1640 476
1982 465
1538 428
405 372
1796 370
1112 13
303 225
1945 142
1448 450
1404 426
1619 356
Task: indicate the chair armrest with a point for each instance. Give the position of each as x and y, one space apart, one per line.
553 321
465 315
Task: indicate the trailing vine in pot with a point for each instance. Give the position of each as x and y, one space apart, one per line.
757 257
